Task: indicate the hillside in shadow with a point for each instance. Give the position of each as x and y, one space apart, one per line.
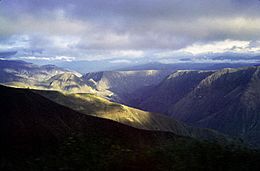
38 134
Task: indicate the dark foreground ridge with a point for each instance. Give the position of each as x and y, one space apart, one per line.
38 134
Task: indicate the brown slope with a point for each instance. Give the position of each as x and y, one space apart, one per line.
96 106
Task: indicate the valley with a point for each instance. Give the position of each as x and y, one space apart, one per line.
192 108
223 100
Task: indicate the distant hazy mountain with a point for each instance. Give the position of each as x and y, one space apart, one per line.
20 71
85 66
237 57
37 133
7 54
186 66
28 75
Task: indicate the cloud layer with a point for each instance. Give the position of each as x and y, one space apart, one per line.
101 29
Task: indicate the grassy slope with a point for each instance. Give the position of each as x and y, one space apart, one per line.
96 106
37 134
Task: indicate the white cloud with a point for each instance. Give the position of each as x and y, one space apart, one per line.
120 61
171 53
128 53
64 42
218 47
55 58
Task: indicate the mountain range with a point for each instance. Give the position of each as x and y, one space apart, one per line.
87 95
128 118
225 100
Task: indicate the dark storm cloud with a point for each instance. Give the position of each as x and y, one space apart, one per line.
77 27
138 9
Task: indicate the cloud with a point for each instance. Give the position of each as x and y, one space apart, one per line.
218 47
87 29
128 53
120 61
56 58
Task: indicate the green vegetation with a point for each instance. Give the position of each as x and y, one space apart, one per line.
100 153
96 106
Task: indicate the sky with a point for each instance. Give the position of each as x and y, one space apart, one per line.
125 30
